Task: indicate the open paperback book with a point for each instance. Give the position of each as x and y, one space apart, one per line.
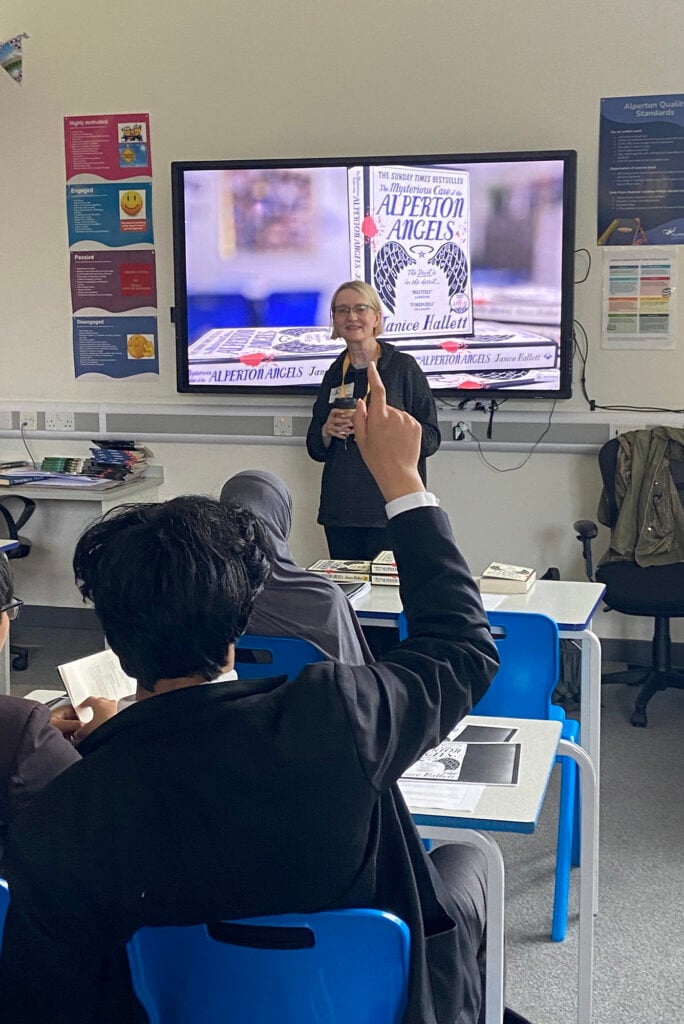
98 675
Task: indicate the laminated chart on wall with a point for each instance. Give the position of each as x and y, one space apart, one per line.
639 308
111 235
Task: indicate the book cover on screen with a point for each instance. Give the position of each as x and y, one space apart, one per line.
410 239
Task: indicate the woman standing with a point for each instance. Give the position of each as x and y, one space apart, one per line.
352 509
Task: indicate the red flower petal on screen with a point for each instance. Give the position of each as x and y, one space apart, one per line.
254 358
368 227
453 346
474 385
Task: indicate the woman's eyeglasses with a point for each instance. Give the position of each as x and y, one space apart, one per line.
12 609
359 309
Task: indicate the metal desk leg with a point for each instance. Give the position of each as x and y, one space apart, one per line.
589 791
494 991
590 735
5 668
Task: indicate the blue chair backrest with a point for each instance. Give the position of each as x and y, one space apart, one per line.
4 904
529 649
259 656
335 967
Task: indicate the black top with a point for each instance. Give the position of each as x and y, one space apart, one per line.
252 797
349 494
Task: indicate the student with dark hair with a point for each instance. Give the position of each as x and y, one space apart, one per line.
294 602
32 752
209 800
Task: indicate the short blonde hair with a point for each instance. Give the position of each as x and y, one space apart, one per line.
367 293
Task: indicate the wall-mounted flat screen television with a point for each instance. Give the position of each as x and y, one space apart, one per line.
472 257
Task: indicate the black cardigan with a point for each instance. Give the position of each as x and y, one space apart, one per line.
349 494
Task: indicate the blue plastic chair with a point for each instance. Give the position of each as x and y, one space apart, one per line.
335 967
529 649
4 904
259 656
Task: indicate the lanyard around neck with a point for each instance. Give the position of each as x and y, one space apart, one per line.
345 366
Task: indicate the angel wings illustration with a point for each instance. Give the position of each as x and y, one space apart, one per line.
393 258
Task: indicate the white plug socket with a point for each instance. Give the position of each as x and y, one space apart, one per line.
28 420
59 421
282 426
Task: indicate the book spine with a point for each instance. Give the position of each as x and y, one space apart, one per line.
343 577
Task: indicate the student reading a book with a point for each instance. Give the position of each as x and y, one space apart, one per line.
32 751
294 602
352 510
250 797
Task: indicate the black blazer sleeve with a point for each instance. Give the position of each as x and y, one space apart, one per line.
408 701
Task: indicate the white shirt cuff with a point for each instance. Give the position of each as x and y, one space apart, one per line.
409 501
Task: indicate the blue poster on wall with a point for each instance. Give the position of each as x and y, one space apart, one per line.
641 171
113 214
115 346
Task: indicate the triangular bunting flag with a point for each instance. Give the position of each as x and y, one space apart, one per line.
11 56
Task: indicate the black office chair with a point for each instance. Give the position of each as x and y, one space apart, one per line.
13 523
656 591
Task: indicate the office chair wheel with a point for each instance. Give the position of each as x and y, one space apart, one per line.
20 662
639 718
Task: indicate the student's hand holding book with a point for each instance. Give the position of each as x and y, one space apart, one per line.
66 719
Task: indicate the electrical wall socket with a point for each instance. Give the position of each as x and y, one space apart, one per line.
462 431
28 420
282 426
59 420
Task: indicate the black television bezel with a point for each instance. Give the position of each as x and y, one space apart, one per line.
179 310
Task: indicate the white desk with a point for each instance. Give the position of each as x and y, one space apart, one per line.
572 606
62 513
517 809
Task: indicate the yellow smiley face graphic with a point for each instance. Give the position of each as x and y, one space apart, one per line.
131 203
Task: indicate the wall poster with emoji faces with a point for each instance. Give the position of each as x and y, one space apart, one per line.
110 230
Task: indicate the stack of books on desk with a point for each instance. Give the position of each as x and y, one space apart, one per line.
117 460
55 464
342 570
384 570
500 578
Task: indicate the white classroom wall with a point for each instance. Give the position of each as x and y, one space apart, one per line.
317 78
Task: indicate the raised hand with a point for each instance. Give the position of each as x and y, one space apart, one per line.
389 441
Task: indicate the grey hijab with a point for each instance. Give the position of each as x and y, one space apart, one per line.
295 602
